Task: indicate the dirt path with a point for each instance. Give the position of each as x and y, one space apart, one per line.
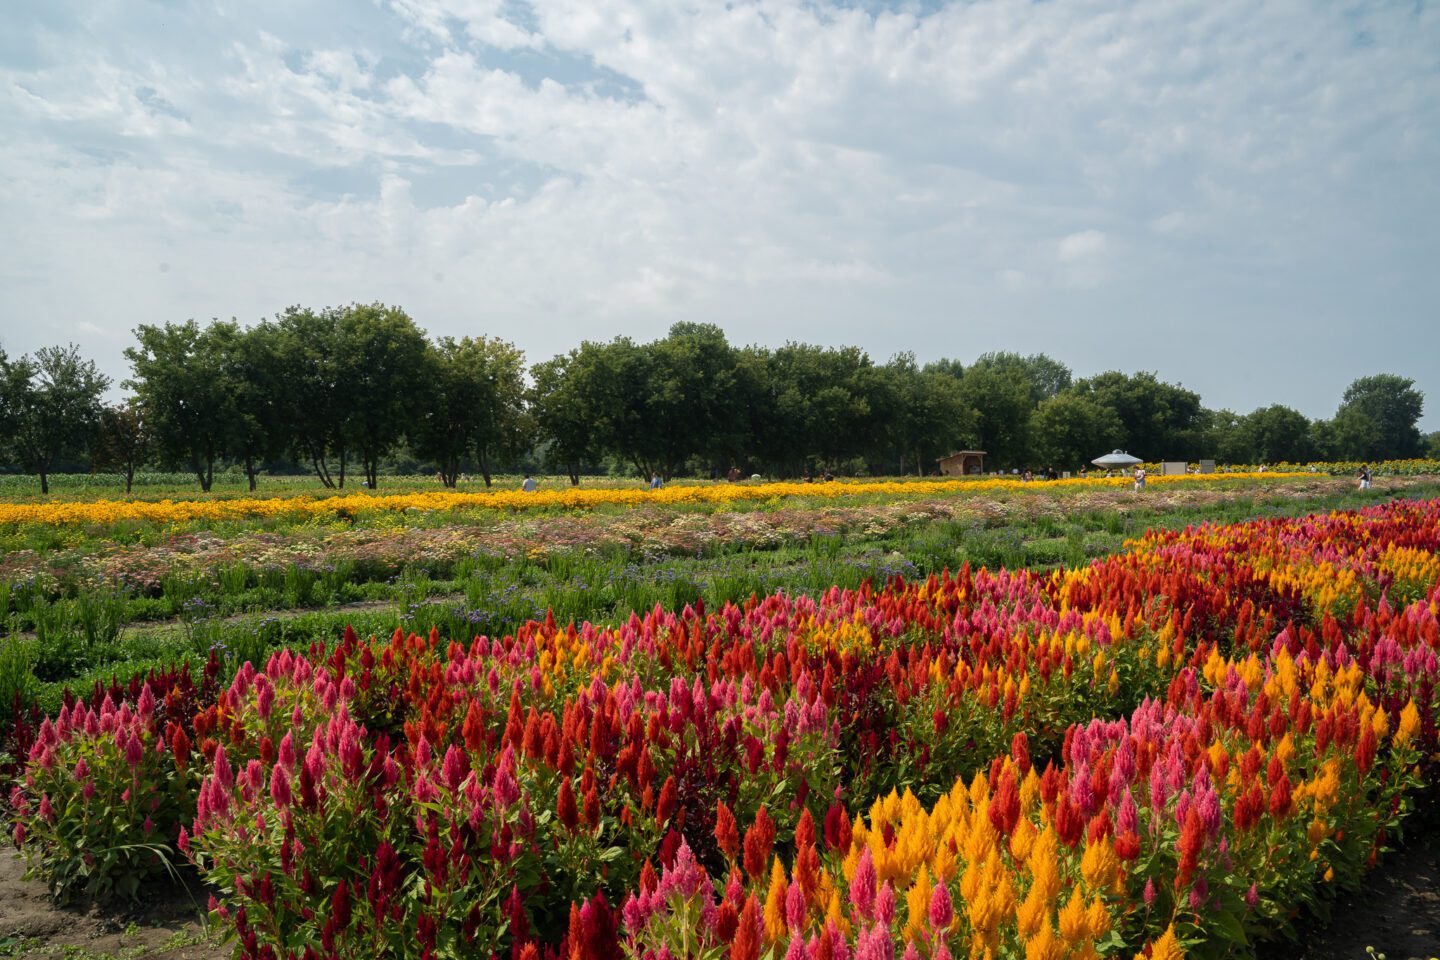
1396 911
167 923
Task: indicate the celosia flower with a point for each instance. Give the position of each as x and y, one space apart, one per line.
862 886
941 908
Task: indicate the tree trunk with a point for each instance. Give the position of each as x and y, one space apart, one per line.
484 458
199 474
574 474
44 481
341 453
317 460
250 471
129 476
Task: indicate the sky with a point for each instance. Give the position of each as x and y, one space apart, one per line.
1241 196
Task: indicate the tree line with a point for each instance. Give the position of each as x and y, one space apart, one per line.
342 389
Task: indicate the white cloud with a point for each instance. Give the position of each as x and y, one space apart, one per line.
1085 245
789 169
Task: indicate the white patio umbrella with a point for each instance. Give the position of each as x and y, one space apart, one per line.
1117 460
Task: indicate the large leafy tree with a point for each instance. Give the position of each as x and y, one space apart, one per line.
473 402
14 379
923 415
180 385
52 405
1003 397
381 357
1161 420
251 372
689 397
820 402
564 420
315 394
124 441
1070 430
1378 418
595 399
1045 375
1276 433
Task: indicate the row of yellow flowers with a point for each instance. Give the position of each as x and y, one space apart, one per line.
183 511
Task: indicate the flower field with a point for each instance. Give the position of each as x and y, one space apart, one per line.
101 512
1168 752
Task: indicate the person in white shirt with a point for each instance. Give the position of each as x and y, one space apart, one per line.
529 485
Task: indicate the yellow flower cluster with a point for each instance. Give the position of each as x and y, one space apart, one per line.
1009 887
575 498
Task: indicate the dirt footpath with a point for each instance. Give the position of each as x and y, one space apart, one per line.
166 924
1397 911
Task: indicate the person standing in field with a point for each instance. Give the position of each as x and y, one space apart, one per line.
1139 477
655 483
528 484
1364 476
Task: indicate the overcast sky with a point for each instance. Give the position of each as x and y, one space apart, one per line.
1240 196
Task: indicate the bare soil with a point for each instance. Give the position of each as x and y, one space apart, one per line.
1396 911
166 923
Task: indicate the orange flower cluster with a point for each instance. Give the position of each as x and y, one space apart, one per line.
107 512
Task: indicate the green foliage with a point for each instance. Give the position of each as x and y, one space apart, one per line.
323 388
103 811
49 408
1001 393
182 393
1070 430
474 391
1159 421
1377 419
925 413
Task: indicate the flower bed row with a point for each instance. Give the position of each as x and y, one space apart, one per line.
378 551
1181 745
574 498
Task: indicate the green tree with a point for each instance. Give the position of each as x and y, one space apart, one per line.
1161 421
183 394
593 401
1224 439
1070 430
312 404
1277 434
1046 376
124 441
923 417
689 398
819 401
1432 445
381 356
564 421
1378 419
53 408
251 372
953 369
1002 396
474 403
14 380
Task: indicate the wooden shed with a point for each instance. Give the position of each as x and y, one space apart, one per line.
964 463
